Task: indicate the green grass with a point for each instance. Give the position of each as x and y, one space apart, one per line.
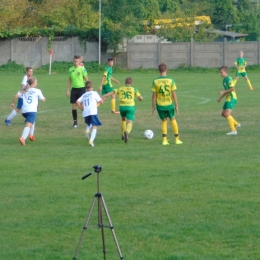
199 200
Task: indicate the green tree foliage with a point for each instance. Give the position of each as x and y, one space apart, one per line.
223 13
249 19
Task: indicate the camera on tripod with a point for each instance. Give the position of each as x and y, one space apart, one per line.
97 168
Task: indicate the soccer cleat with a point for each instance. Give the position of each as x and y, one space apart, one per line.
75 125
87 134
115 112
126 136
178 142
8 122
91 143
165 142
238 125
32 138
232 133
22 142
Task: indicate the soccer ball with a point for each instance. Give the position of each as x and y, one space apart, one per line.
148 134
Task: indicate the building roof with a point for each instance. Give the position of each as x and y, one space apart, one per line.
229 34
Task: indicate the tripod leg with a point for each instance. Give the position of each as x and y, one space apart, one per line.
101 225
112 228
85 228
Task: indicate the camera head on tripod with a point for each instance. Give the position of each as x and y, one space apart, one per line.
97 168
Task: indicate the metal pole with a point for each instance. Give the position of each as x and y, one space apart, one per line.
99 35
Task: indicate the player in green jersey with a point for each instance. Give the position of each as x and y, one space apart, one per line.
163 89
76 85
126 93
240 64
106 84
231 100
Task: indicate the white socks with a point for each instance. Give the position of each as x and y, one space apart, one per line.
12 115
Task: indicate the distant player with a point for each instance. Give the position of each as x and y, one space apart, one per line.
76 86
29 73
88 103
126 94
106 84
240 64
164 99
29 109
231 100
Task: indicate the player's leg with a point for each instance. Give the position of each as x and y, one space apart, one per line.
175 130
15 111
248 82
95 123
113 104
31 133
123 127
236 79
226 112
130 116
88 126
29 121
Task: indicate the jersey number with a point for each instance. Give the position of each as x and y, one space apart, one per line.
29 100
164 90
126 94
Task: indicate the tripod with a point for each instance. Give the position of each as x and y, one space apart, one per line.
101 203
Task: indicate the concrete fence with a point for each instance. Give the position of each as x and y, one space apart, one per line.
195 54
34 52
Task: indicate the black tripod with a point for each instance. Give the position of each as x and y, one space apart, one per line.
101 202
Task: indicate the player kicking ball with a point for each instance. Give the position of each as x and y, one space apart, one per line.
231 100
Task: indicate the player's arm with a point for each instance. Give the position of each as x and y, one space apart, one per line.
224 93
153 101
86 78
13 101
68 88
101 83
80 105
108 95
116 81
175 101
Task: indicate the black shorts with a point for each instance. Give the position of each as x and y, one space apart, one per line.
76 93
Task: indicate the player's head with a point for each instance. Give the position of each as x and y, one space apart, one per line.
29 71
110 62
223 71
76 60
162 68
89 85
129 81
241 53
32 82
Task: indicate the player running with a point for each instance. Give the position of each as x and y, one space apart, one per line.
106 84
126 93
29 73
29 109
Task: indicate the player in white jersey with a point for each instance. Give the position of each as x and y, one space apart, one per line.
30 96
29 73
88 103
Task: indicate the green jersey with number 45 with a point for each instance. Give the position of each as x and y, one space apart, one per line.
163 87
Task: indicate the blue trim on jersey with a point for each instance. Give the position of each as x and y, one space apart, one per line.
19 103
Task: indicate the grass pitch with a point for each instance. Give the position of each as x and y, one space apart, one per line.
199 200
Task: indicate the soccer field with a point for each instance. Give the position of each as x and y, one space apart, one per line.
199 200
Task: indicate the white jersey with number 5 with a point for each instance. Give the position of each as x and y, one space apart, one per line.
30 100
89 100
